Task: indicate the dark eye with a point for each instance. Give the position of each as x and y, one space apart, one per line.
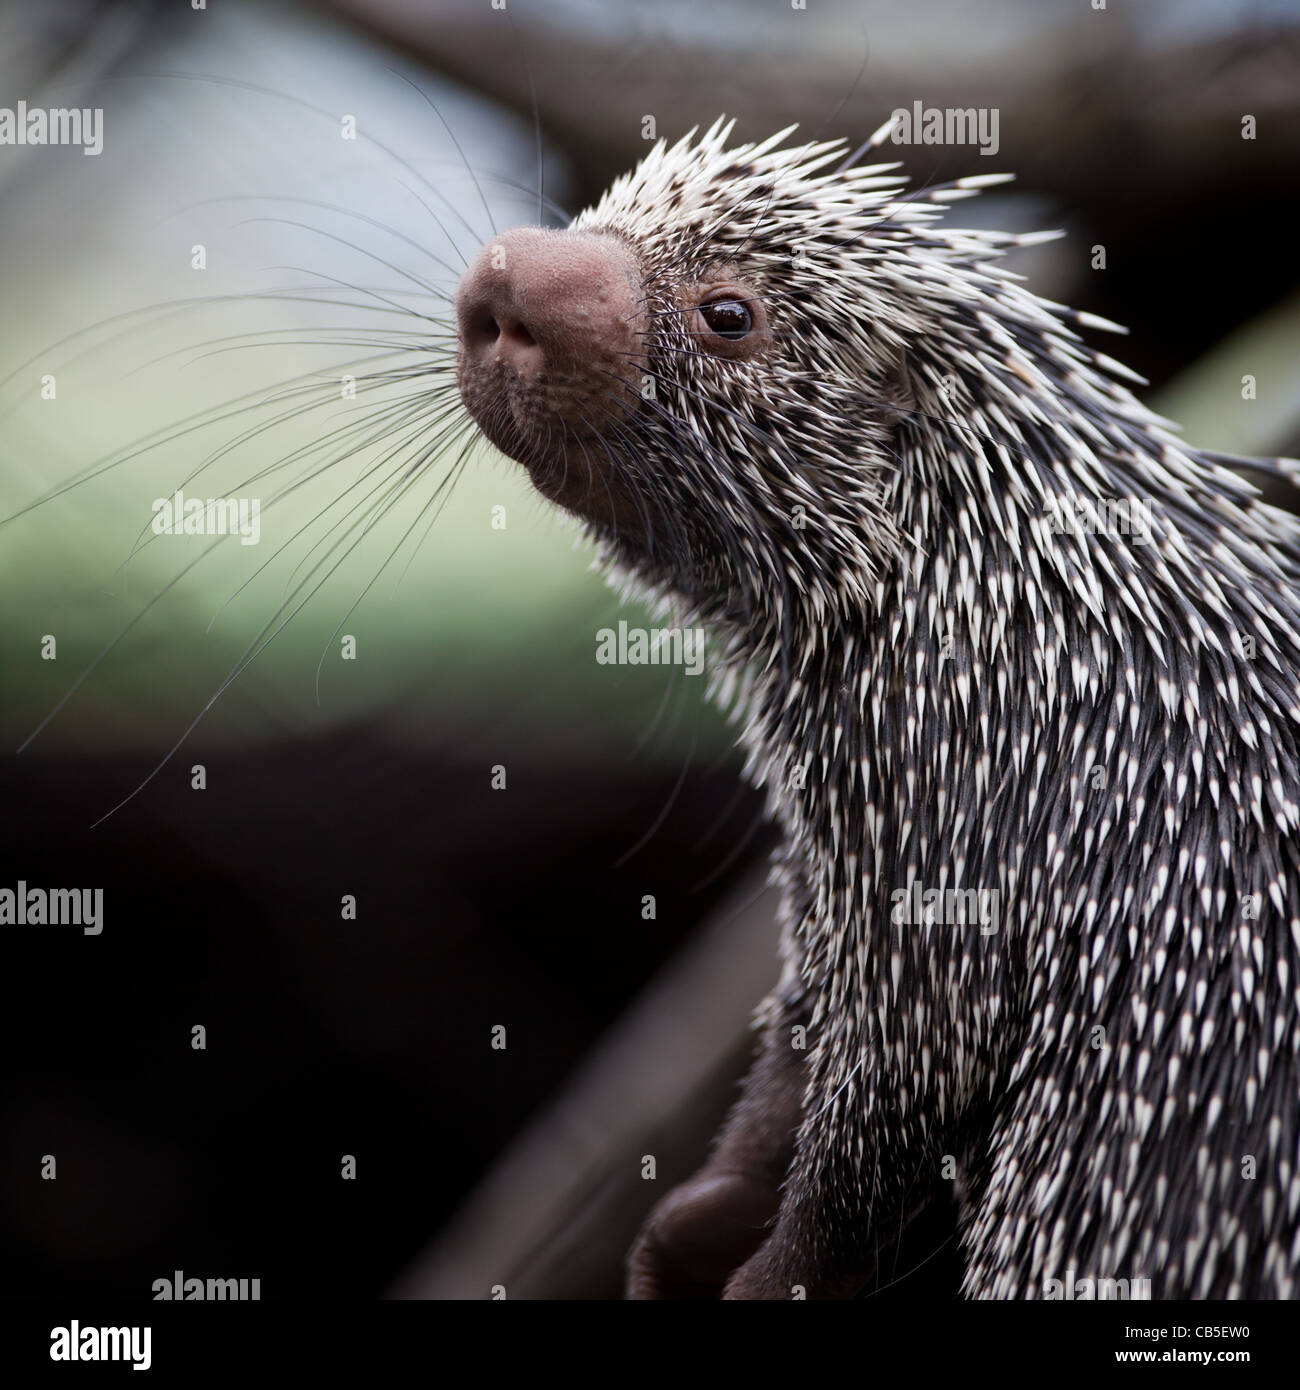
728 318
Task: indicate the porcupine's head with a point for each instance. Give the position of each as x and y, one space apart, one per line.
710 366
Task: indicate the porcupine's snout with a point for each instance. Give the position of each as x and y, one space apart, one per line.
551 330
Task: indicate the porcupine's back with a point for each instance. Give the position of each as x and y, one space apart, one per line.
1121 735
878 507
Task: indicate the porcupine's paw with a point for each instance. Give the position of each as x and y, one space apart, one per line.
698 1234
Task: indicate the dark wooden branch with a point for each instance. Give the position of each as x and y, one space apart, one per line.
1088 116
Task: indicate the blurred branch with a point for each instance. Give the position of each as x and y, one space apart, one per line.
1089 115
562 1205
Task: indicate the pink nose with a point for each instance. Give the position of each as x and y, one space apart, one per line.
535 297
551 331
493 327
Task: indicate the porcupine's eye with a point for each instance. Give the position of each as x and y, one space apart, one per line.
728 318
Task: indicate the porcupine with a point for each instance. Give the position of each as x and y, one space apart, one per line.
792 404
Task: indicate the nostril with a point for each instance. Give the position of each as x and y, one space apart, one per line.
487 329
491 328
518 332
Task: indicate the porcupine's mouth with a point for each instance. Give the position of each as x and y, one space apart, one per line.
547 425
550 340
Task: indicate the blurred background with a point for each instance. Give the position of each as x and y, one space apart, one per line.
132 362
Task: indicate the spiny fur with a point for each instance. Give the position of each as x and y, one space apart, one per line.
928 679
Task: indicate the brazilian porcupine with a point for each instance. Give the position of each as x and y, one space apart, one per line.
791 405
